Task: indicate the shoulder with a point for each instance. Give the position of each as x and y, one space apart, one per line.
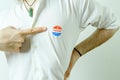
82 3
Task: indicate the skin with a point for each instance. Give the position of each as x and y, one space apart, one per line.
96 39
12 39
74 57
30 2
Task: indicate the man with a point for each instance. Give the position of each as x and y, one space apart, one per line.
49 53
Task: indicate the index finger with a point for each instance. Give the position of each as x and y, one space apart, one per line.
33 30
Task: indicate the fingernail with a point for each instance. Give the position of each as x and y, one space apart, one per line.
44 28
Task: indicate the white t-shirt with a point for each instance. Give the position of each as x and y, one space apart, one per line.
50 51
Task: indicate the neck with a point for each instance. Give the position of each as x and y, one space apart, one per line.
30 1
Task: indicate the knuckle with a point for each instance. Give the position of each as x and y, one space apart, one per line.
17 49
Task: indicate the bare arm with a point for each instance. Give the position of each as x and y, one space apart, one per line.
97 38
74 57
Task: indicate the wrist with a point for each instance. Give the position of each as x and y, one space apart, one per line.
78 51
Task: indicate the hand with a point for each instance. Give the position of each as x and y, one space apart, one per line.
66 75
11 39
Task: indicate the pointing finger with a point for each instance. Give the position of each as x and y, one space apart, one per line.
33 30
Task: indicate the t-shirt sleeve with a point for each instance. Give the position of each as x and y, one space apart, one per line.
98 16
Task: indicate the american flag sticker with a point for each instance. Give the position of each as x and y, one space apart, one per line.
57 30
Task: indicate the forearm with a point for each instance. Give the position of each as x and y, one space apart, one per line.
97 38
74 57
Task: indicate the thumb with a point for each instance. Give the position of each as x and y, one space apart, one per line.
33 30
